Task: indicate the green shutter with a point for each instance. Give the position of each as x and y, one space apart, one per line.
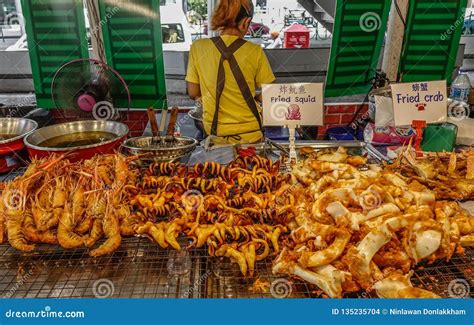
432 39
133 46
56 34
359 29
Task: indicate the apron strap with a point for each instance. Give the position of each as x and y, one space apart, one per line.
227 53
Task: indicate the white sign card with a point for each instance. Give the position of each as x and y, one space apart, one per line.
424 101
291 105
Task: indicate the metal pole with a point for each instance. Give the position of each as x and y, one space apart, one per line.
211 5
19 12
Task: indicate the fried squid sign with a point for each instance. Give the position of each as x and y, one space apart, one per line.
292 105
422 101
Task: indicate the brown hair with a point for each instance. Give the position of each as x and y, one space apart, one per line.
227 12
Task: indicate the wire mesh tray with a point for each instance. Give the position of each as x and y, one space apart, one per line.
276 149
138 269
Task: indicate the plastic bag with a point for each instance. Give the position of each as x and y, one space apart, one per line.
388 134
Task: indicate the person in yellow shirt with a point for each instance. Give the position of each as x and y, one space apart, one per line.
225 72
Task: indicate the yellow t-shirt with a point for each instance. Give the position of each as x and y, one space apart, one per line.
234 115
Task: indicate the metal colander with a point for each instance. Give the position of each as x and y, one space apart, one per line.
179 149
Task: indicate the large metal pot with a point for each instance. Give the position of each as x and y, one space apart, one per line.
12 148
34 140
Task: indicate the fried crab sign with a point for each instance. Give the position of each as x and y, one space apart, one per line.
292 105
425 101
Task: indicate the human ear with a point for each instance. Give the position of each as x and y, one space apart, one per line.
245 24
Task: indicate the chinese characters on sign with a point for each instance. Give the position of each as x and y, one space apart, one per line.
292 105
424 101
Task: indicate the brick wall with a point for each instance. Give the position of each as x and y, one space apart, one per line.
334 115
339 115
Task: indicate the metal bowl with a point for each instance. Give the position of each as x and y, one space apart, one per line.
12 151
196 116
16 126
33 140
179 150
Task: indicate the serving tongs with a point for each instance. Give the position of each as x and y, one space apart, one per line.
155 129
377 154
272 143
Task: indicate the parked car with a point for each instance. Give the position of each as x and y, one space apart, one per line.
175 29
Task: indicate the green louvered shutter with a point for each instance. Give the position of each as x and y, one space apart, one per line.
359 29
56 34
432 39
133 46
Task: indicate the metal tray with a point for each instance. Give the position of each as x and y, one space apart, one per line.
138 269
276 149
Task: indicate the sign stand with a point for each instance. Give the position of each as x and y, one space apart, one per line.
293 157
417 104
290 106
419 126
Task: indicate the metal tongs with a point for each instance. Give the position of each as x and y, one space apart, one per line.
377 154
272 143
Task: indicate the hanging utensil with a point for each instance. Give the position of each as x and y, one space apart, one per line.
171 126
154 126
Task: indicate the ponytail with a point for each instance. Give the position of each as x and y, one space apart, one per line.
229 13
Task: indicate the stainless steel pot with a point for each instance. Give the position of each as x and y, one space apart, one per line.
33 141
16 126
12 150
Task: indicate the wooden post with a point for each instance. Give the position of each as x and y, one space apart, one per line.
394 41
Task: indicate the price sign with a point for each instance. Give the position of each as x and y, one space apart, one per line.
292 105
424 101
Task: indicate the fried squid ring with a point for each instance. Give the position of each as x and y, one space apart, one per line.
327 255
